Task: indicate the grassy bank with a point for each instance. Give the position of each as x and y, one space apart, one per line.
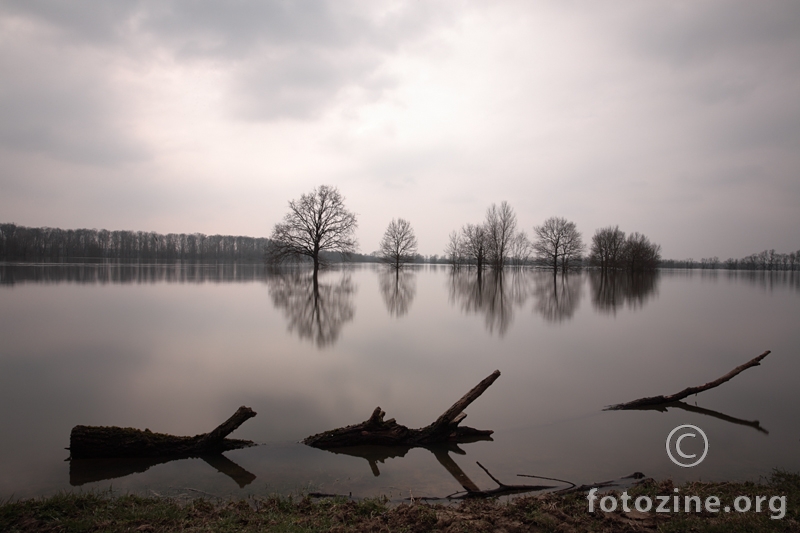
99 512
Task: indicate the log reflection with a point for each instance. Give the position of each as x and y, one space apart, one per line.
316 309
755 424
375 454
82 471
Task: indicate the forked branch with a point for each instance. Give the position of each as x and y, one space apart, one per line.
659 400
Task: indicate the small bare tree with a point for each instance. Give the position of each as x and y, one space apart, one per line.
317 222
558 242
520 249
454 250
399 245
607 248
474 244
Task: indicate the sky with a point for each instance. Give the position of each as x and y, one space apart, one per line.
679 120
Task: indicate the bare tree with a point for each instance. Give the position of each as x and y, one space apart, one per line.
520 249
399 245
454 250
474 244
640 253
500 228
317 222
558 242
607 247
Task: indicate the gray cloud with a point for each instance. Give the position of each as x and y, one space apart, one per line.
60 103
612 113
286 59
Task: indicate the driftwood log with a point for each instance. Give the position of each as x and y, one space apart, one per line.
643 403
376 430
103 441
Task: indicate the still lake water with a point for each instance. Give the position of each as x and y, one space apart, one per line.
177 349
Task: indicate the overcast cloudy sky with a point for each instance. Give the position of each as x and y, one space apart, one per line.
680 120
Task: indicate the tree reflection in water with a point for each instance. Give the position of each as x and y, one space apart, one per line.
557 295
613 290
316 309
398 288
493 294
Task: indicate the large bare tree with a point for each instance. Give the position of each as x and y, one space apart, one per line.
399 245
500 228
558 242
317 222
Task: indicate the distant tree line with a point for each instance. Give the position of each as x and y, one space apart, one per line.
767 260
54 244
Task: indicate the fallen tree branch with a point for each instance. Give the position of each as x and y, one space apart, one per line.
108 441
472 491
376 430
658 400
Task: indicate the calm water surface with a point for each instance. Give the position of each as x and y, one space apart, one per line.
177 349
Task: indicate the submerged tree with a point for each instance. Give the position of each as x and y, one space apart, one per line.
520 249
608 247
474 245
558 242
454 250
500 229
494 243
399 244
640 253
317 222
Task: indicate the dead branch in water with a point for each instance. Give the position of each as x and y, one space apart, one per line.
377 431
108 441
659 400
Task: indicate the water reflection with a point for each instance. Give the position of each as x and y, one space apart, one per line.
612 290
557 296
82 471
316 309
398 289
375 454
135 273
493 294
755 424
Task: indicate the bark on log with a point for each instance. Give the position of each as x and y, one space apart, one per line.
108 441
659 400
376 430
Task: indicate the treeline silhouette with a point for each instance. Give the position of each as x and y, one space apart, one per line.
20 243
55 244
768 260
